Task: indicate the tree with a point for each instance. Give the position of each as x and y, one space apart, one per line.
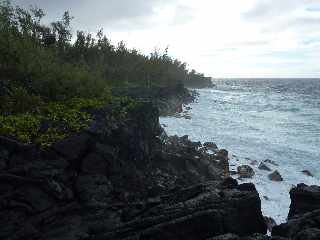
63 30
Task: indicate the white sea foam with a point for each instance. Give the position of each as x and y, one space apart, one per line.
251 133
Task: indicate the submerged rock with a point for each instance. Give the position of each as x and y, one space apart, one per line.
254 162
307 173
271 162
275 176
211 146
245 171
264 167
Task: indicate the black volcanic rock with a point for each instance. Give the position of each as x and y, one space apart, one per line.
304 199
304 215
73 147
230 236
303 227
307 173
245 171
168 99
201 211
263 166
122 179
275 176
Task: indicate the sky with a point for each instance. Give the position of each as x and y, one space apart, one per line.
220 38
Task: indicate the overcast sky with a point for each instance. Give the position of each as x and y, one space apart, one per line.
222 38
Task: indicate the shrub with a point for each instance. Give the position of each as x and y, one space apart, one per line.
24 127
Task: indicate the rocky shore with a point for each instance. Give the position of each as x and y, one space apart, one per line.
168 100
128 180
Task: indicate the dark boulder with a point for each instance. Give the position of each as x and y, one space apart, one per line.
264 167
307 173
245 171
211 146
271 162
304 199
275 176
303 227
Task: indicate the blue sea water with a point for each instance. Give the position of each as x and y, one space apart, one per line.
258 119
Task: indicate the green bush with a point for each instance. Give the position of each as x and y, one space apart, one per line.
20 101
56 120
24 127
50 136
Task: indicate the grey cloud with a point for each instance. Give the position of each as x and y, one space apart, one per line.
278 16
94 14
264 9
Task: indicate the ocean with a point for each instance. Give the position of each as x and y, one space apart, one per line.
259 119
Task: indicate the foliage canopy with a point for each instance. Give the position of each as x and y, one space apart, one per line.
46 79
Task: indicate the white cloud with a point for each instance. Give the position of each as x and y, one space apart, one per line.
256 38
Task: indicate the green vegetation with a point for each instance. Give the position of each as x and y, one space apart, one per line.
47 81
23 126
56 120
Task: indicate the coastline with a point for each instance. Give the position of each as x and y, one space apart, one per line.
128 180
274 195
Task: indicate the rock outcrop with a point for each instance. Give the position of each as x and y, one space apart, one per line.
304 215
304 199
305 227
122 179
169 99
230 236
198 212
